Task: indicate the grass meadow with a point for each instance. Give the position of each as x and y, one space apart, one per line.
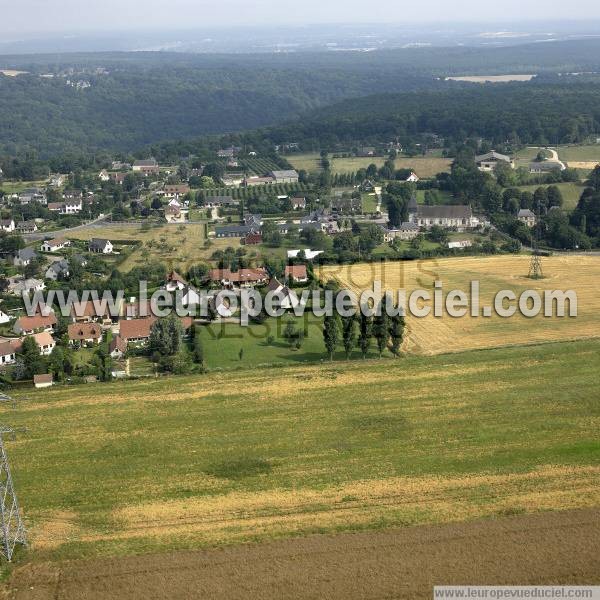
185 462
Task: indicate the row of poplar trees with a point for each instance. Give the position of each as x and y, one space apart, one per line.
359 331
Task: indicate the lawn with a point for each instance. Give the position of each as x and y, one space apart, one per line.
179 246
182 462
369 203
425 167
433 335
14 187
571 193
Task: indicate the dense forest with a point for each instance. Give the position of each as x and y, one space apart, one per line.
122 101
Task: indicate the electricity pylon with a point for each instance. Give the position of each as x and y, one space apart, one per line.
535 266
12 529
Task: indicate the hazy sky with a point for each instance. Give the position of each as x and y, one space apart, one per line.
28 16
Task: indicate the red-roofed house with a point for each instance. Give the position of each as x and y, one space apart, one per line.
29 325
84 333
296 273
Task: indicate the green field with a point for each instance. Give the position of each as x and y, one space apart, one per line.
581 153
183 462
425 167
571 193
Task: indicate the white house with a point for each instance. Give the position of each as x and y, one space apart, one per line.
8 351
526 216
42 380
460 244
7 225
45 341
55 245
100 246
489 161
24 256
287 298
412 178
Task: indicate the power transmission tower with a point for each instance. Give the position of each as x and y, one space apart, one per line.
535 266
12 529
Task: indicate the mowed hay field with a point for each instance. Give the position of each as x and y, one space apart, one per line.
176 245
432 335
141 466
425 166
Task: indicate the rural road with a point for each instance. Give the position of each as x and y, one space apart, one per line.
545 548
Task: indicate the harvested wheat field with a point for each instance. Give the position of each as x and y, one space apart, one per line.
433 335
199 461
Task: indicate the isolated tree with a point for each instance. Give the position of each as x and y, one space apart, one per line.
349 334
396 331
198 347
365 332
166 335
381 327
331 333
33 362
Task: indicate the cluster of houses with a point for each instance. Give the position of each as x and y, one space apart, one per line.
132 325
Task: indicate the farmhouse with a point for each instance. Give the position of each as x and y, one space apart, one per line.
546 166
175 282
45 341
84 333
460 244
7 225
90 312
406 231
55 245
26 227
175 191
448 215
32 195
19 286
287 176
146 167
29 325
234 231
252 239
118 177
8 351
57 270
241 278
288 299
100 246
255 180
219 201
296 273
490 160
137 331
24 257
412 178
526 216
117 347
298 203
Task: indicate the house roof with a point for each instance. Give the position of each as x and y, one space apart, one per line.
56 242
176 277
136 328
43 339
493 155
35 322
118 343
10 347
296 271
525 212
98 243
288 173
221 200
26 253
42 378
446 211
84 331
243 275
88 309
60 266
